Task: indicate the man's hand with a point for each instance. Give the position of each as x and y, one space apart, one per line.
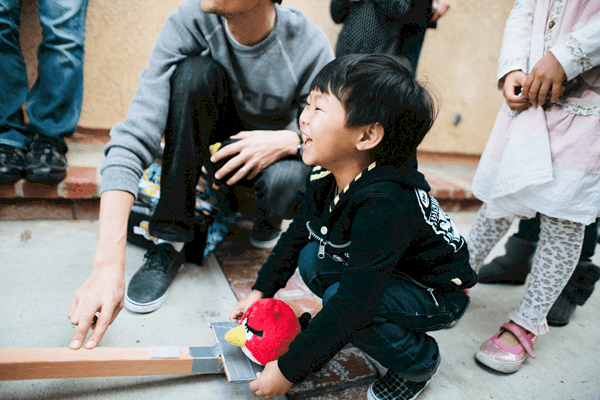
255 150
102 292
242 305
512 81
270 382
440 7
547 75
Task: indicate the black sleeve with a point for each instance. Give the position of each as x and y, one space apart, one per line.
339 10
283 259
379 237
395 8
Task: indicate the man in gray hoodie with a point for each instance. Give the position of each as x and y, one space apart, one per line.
220 69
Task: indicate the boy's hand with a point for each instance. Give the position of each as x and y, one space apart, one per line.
102 292
270 382
255 151
547 75
512 81
242 305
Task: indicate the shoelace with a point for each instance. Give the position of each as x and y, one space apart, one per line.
10 155
42 148
159 258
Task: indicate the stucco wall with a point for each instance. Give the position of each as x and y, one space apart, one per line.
459 59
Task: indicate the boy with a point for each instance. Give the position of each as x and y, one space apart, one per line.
385 259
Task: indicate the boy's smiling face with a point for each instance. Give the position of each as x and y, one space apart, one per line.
327 141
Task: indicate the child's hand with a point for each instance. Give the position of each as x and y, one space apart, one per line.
242 305
546 75
512 81
270 382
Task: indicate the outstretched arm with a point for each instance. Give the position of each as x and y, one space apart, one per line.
103 291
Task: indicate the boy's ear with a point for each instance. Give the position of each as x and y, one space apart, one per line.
370 137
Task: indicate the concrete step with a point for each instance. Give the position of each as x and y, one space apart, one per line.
77 197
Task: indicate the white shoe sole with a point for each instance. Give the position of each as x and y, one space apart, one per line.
142 308
497 365
371 395
269 244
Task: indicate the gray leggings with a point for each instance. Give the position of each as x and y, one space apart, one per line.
554 261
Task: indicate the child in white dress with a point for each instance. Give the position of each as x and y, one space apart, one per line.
543 155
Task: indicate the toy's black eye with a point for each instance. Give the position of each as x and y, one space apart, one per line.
254 331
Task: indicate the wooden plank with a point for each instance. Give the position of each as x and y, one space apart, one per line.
49 363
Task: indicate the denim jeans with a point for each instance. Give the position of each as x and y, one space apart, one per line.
397 336
202 112
54 101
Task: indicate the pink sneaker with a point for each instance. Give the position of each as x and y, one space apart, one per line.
503 358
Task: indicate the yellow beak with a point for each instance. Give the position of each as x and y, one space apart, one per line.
236 336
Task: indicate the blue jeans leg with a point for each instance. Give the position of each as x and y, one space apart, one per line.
54 102
397 336
13 77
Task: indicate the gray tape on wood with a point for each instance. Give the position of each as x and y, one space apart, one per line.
206 360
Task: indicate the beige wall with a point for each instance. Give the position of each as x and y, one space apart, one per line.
459 59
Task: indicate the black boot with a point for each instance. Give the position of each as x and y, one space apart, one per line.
513 267
576 292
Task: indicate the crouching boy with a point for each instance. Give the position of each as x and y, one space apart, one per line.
369 240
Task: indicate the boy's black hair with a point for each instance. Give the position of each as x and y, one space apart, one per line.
276 1
381 88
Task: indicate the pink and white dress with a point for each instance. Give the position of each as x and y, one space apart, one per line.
547 161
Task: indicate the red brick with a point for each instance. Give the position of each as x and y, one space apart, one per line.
8 191
310 305
242 288
14 210
39 191
80 183
240 271
349 368
294 288
355 393
86 209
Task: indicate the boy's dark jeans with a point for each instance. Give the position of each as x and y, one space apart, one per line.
397 336
202 112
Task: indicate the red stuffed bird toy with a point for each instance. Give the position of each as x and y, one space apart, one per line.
265 330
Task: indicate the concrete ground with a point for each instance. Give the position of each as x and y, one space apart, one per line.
42 263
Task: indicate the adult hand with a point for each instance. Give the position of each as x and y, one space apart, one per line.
255 150
512 81
440 7
270 382
242 305
547 74
102 292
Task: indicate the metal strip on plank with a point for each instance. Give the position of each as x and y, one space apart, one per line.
238 367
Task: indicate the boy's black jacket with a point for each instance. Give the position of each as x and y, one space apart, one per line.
384 225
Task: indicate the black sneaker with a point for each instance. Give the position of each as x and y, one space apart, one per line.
265 234
45 162
393 387
12 164
148 288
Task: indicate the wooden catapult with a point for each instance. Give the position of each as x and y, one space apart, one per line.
48 363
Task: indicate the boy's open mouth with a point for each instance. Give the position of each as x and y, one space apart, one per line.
307 140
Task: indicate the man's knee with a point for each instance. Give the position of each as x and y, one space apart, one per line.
198 73
281 186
